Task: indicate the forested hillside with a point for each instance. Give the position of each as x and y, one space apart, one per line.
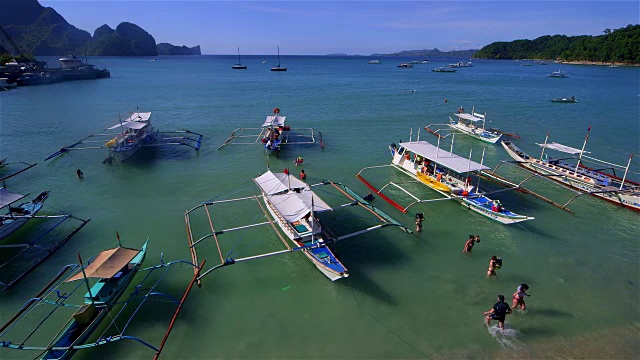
621 45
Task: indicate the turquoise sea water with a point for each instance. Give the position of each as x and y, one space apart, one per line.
408 296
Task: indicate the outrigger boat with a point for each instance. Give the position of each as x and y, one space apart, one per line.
127 137
447 174
469 123
23 252
293 206
272 134
587 180
17 216
105 278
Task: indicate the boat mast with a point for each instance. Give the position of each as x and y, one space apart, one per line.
278 56
466 181
86 281
481 163
239 56
626 171
582 151
543 147
453 137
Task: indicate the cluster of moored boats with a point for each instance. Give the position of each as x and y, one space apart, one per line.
71 68
284 204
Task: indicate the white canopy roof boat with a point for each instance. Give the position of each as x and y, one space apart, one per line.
447 174
128 136
292 206
601 182
273 134
473 124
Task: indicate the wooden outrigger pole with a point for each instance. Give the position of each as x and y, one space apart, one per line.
175 314
492 176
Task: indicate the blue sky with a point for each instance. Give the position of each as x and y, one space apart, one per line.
351 27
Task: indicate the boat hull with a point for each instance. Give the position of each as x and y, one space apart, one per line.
76 333
321 256
124 151
475 202
583 184
480 134
432 183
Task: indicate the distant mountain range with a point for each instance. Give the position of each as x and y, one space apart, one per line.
433 52
41 30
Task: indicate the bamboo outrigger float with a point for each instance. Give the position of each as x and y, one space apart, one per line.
292 206
446 173
113 271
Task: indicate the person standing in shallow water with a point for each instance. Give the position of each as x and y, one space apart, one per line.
518 297
468 246
494 263
499 312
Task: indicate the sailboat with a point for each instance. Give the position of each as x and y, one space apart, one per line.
239 65
278 68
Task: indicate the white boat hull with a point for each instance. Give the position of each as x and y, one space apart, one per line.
409 168
477 133
298 240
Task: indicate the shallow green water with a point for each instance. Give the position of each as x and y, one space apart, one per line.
408 296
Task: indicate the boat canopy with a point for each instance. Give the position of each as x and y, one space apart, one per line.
138 116
443 157
7 197
271 183
562 148
107 264
272 120
130 125
292 205
469 117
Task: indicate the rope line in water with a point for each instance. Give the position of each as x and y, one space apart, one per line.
382 324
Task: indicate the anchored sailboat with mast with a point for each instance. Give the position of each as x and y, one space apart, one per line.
239 65
278 68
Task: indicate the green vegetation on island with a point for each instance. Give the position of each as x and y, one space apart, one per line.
618 46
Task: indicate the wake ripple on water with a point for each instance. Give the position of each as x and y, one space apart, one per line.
507 338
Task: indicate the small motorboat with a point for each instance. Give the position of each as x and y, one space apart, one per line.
563 100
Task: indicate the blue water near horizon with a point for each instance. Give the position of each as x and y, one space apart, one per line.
408 296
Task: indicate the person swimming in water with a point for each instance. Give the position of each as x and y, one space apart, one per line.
369 197
79 174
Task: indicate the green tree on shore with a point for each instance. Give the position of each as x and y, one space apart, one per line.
621 45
